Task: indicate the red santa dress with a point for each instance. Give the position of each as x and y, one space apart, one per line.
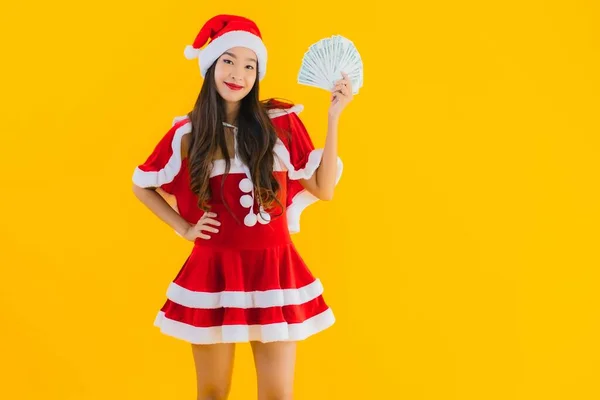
248 281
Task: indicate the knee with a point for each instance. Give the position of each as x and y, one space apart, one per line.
280 395
213 393
283 396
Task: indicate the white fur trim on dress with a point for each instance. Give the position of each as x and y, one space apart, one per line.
278 112
214 50
218 167
303 198
238 299
282 163
244 333
171 168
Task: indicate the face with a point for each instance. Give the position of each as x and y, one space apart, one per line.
235 73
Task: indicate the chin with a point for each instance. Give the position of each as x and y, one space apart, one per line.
232 98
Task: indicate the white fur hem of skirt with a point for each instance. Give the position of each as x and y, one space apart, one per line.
245 333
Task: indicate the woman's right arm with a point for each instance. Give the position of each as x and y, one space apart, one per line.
159 171
163 210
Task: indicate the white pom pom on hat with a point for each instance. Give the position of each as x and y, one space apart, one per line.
190 52
225 32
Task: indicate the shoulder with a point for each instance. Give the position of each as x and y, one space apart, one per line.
167 150
292 111
163 163
276 109
181 126
294 144
285 118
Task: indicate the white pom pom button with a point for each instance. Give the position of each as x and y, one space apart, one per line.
246 201
246 185
264 217
250 219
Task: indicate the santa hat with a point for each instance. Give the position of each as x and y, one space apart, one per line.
225 32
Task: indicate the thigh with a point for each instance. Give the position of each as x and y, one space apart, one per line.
275 363
214 368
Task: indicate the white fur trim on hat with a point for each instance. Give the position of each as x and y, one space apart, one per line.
214 50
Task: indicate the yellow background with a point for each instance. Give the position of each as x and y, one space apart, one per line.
460 253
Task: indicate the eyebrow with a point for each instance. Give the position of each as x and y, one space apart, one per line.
233 55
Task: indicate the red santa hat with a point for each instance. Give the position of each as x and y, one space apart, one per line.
225 32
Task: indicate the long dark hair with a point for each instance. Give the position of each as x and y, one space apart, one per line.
256 138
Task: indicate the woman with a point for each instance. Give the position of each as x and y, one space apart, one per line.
241 172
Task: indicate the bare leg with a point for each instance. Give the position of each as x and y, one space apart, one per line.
214 368
275 364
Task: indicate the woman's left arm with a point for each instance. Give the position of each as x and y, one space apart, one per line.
322 183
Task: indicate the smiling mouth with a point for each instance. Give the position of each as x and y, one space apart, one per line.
233 86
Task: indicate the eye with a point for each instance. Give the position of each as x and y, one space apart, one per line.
225 60
250 66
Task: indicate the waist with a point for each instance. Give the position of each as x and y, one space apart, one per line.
233 233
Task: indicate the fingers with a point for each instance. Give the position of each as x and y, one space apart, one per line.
335 97
208 228
344 87
341 94
343 90
208 214
345 78
210 221
199 234
345 81
206 219
204 223
340 85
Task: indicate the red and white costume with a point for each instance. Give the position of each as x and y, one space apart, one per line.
247 282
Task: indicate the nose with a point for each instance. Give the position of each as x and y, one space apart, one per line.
237 73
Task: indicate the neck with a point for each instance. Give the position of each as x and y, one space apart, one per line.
231 111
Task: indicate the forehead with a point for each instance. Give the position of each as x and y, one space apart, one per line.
242 53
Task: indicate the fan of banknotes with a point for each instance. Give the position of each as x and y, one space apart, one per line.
325 60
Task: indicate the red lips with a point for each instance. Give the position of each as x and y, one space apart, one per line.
233 86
